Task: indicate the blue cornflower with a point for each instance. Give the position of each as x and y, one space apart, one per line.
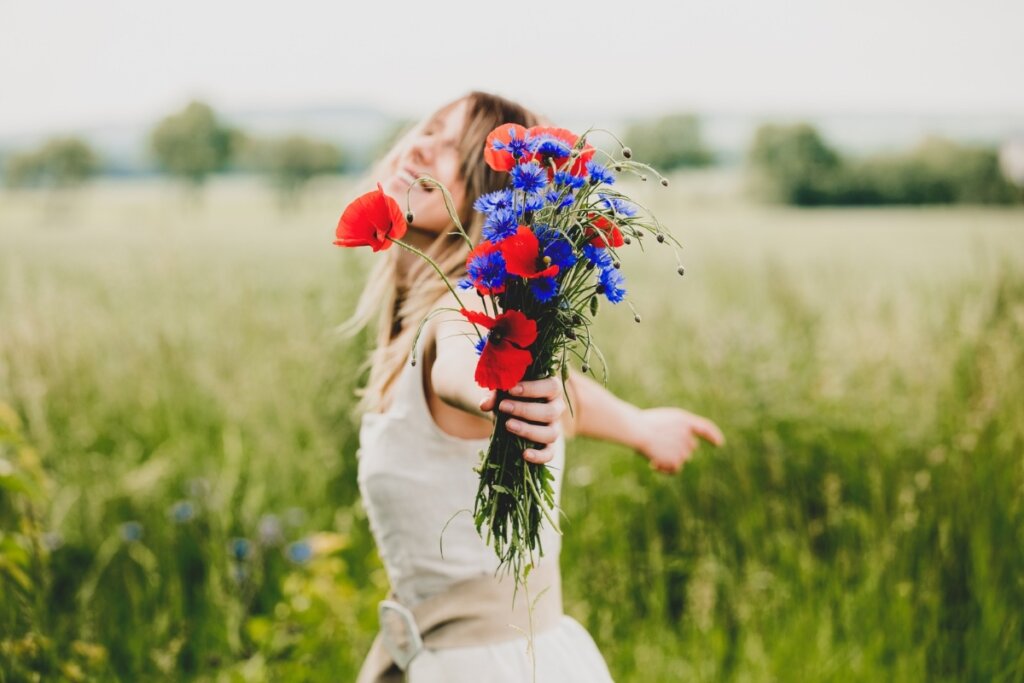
502 199
598 256
544 288
480 344
501 223
531 202
557 248
517 147
555 198
619 206
599 173
487 270
550 147
611 281
563 178
529 177
131 531
465 283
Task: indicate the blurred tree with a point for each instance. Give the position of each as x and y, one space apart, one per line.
192 143
291 162
61 162
669 142
792 164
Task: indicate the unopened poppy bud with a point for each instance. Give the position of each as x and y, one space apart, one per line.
616 264
570 334
600 288
643 178
627 152
408 217
585 367
576 319
680 270
660 237
636 317
618 168
626 240
593 305
664 182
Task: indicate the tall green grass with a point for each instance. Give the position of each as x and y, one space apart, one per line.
173 370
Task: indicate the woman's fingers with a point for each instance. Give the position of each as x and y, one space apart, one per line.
539 456
546 412
538 388
709 431
487 405
539 433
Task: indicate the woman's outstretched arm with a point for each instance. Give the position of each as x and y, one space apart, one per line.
665 436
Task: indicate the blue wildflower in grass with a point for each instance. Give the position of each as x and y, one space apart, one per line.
487 271
480 344
619 206
500 223
299 552
556 247
529 177
610 284
598 256
240 548
566 179
501 199
599 173
270 531
182 511
131 531
544 288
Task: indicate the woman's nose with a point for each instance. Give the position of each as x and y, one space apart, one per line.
422 150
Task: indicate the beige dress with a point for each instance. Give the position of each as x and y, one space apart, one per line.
414 479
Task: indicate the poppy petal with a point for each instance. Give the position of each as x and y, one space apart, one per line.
501 366
372 219
516 328
478 318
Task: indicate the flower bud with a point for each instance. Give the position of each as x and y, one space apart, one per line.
681 270
636 317
585 367
643 178
626 240
593 305
618 168
660 238
627 152
616 264
664 182
571 334
408 217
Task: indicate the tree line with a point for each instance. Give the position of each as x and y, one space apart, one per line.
791 164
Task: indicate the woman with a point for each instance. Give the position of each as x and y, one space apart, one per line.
424 423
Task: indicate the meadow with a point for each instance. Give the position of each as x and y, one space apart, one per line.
177 443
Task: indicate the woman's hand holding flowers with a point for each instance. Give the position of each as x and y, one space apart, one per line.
539 420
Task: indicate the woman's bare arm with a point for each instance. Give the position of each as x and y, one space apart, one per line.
665 436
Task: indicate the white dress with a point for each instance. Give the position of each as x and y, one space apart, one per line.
413 478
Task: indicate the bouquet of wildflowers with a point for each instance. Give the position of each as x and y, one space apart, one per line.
549 255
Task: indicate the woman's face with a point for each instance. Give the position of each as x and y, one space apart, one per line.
434 152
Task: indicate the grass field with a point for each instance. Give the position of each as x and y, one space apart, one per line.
193 512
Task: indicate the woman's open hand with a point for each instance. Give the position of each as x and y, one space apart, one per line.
538 421
670 435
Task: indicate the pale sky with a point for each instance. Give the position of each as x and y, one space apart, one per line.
66 64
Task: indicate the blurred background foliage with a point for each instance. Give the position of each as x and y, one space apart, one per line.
178 492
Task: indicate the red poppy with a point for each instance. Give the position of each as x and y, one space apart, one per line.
371 220
579 166
502 160
522 255
504 359
604 232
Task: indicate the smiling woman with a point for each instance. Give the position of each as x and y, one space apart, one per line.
426 419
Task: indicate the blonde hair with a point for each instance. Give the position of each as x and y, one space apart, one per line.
400 305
